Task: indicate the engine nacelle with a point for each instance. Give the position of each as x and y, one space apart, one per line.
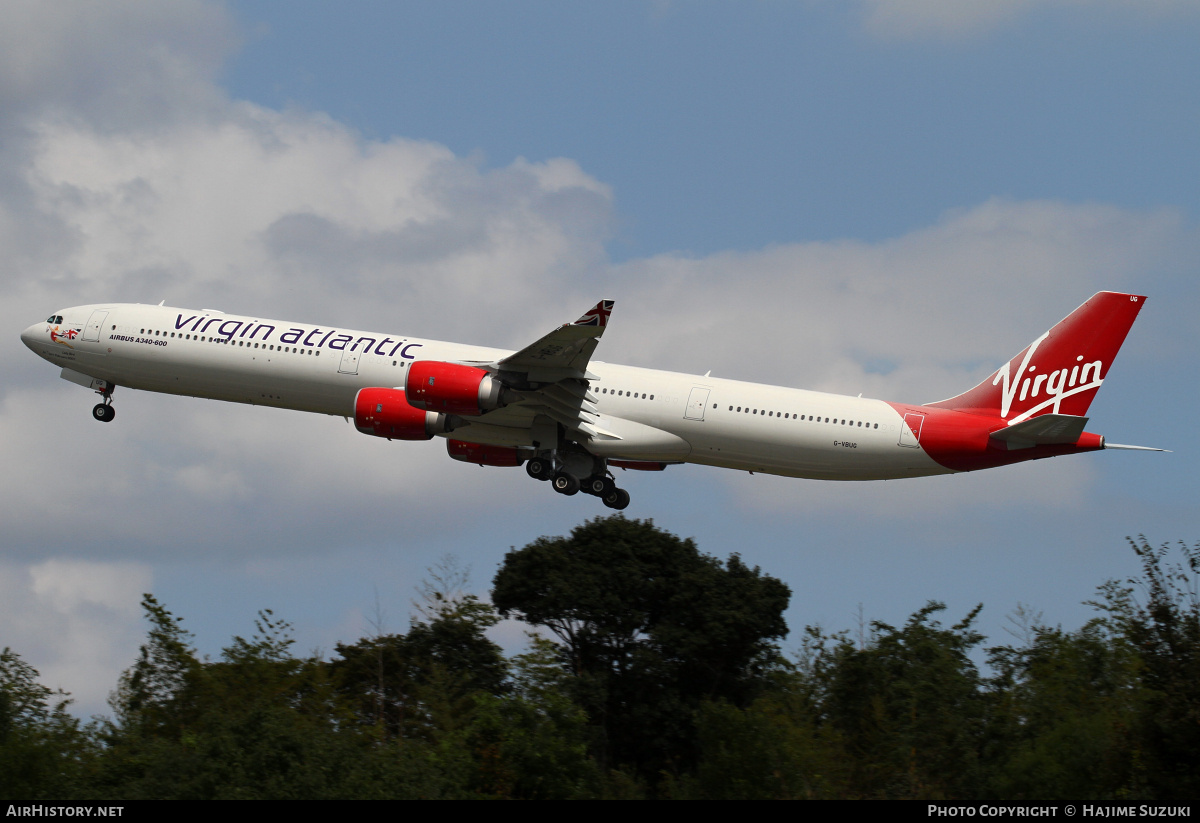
484 455
387 413
452 388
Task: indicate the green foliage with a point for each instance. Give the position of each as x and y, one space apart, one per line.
1158 615
153 693
907 705
43 750
663 680
258 723
1061 704
423 682
771 749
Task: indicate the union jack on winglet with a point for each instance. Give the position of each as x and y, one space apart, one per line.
597 315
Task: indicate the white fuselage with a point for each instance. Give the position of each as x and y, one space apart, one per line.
727 423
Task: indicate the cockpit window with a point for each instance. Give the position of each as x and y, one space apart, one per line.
54 318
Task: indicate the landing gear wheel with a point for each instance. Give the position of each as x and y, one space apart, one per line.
538 468
103 413
599 486
618 500
567 484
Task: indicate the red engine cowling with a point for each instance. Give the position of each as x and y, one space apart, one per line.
452 388
387 413
484 455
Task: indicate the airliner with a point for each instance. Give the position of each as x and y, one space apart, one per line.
572 420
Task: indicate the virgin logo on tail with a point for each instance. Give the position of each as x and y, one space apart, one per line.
1071 362
1058 385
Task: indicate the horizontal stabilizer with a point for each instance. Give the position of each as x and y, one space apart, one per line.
1047 430
1134 448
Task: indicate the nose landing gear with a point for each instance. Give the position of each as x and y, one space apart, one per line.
104 412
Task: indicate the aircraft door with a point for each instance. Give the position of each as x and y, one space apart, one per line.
91 332
910 430
697 400
349 364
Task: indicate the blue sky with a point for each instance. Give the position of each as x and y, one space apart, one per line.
740 125
882 197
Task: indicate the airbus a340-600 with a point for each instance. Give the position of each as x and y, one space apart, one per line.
570 419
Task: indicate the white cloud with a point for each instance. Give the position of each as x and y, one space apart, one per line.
962 19
915 318
76 621
120 63
263 207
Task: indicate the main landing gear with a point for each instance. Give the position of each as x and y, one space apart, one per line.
564 478
104 412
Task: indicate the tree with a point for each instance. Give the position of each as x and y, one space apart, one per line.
410 685
1158 614
43 751
648 627
153 692
1062 706
907 706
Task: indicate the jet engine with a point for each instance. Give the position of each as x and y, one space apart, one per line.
386 413
484 455
452 388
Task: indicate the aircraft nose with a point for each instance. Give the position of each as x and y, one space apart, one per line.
30 336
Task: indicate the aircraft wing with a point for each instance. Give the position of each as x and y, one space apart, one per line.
552 378
563 353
